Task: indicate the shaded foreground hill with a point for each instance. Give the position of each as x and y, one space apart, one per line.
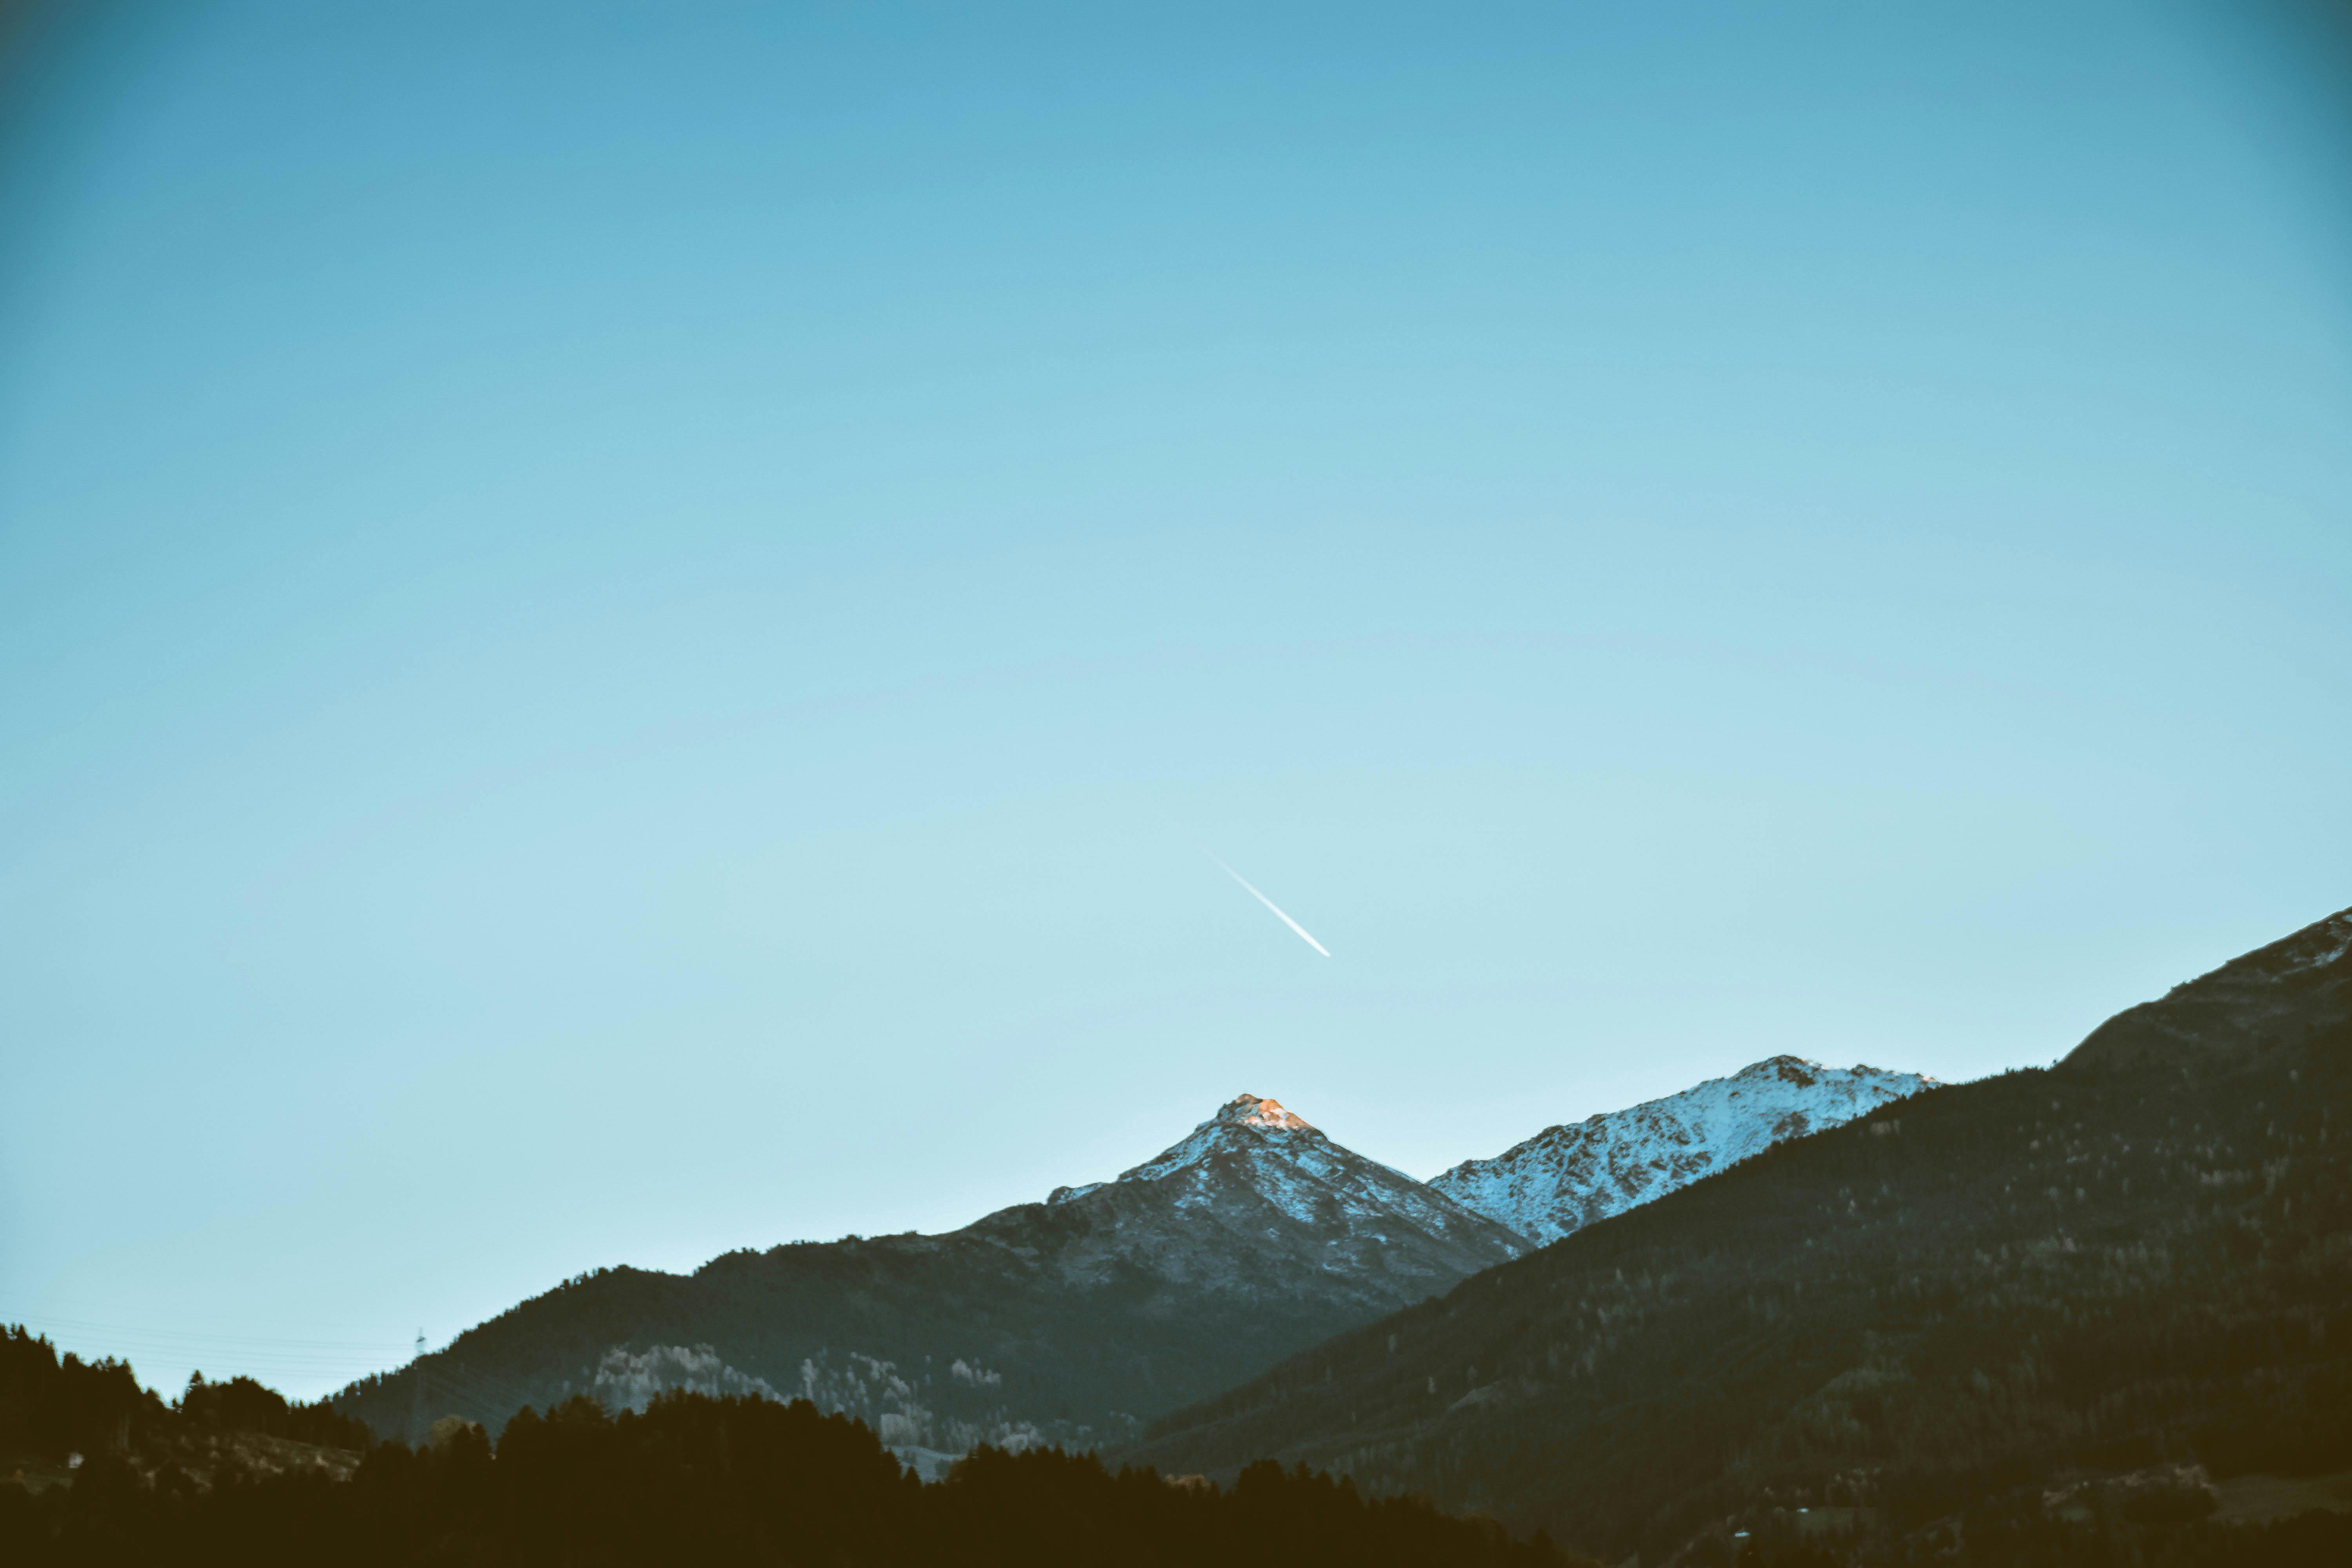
1066 1321
1932 1321
694 1479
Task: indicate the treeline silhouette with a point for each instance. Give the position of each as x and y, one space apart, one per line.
693 1479
53 1406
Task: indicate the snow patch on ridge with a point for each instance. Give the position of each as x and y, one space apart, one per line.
2336 929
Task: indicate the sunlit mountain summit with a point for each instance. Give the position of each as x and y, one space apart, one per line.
1254 1152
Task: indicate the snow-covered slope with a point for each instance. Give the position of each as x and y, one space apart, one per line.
1566 1177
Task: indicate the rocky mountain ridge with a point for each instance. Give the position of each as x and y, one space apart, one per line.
1568 1177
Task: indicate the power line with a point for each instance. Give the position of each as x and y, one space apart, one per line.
488 1394
488 1383
264 1357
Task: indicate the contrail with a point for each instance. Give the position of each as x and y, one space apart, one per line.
1269 903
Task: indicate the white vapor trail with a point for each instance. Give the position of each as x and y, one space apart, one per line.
1269 903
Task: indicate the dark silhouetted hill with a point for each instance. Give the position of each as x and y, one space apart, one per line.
2296 989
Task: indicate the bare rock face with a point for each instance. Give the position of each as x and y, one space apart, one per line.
2296 989
1566 1177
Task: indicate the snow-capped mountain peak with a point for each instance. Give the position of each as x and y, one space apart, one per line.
1565 1177
1254 1165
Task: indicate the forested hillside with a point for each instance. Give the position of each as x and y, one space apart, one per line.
1963 1304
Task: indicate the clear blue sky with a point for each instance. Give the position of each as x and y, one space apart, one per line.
628 630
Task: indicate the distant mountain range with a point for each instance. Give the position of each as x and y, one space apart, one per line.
1070 1321
1078 1320
1993 1313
